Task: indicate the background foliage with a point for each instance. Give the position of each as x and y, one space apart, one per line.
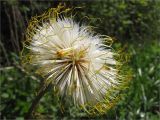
136 25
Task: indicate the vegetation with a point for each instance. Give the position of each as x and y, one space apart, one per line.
135 26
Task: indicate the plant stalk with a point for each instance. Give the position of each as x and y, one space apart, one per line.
35 102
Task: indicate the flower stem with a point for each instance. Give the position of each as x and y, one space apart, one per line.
35 102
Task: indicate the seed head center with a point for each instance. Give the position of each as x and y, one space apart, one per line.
74 56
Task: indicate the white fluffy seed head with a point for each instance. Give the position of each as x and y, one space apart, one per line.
77 62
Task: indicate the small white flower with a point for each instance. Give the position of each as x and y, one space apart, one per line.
76 62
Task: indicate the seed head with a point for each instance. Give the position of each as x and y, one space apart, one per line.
78 62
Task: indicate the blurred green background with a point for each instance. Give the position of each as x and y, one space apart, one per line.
134 24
